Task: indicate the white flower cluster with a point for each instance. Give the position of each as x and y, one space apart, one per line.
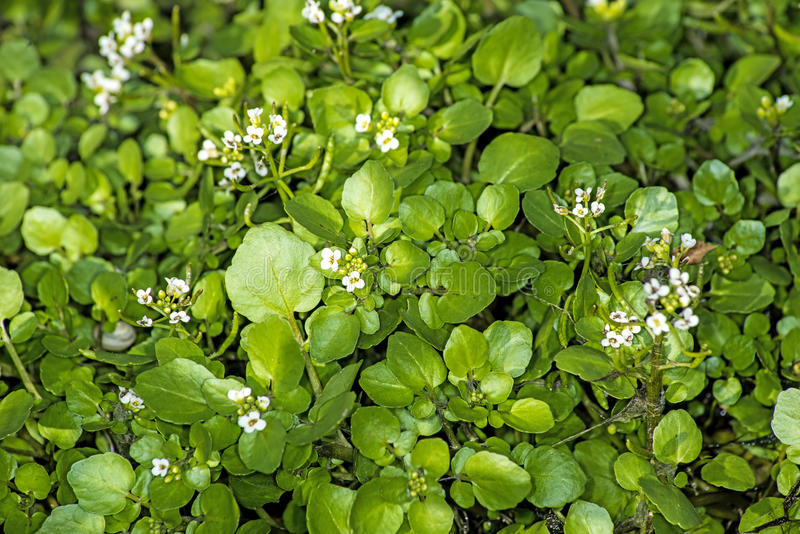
661 247
584 206
384 130
250 409
125 41
177 289
343 10
313 13
130 399
351 270
384 13
233 174
623 330
677 294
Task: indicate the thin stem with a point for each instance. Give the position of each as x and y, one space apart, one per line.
23 374
230 339
313 377
469 154
653 393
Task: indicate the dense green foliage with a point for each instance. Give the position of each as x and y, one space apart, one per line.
520 267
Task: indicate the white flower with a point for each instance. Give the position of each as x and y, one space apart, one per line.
353 281
176 287
238 395
235 172
634 328
254 114
277 121
619 316
596 3
783 103
330 259
579 211
384 13
108 45
612 340
263 402
561 210
252 422
658 323
683 296
145 321
666 235
143 29
645 262
312 12
277 135
144 297
122 24
178 316
654 290
209 151
688 316
129 398
160 467
693 291
254 135
597 208
337 17
687 241
231 140
131 47
601 192
627 336
386 141
649 242
677 278
363 122
582 195
261 167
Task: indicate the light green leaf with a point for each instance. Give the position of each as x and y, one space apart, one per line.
510 53
460 123
415 363
405 92
274 353
368 194
786 418
431 516
557 477
588 518
466 350
655 208
329 510
72 518
526 161
677 439
11 296
615 106
332 333
101 482
729 471
174 391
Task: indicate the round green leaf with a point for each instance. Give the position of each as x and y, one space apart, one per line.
101 482
405 92
72 518
329 510
433 456
715 184
332 333
274 353
692 76
729 471
431 516
466 350
613 105
422 216
525 161
677 439
415 363
42 229
383 387
655 208
588 518
746 236
786 418
788 187
509 54
373 513
368 194
498 205
460 123
557 477
11 296
529 415
593 142
498 483
174 391
14 410
374 428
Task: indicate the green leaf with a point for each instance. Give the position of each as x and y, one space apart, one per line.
752 69
669 500
329 510
557 477
15 196
373 429
588 518
415 363
332 333
498 483
101 482
538 209
220 512
60 426
529 415
209 78
404 92
270 274
18 59
629 468
714 183
586 362
72 518
694 77
318 216
510 346
788 188
526 161
405 262
729 471
274 353
166 496
746 237
460 123
509 54
498 205
677 439
422 216
41 229
470 289
263 450
431 516
327 418
592 142
466 350
174 391
655 208
11 296
786 418
731 296
372 513
383 387
14 410
368 194
615 106
433 456
129 161
33 479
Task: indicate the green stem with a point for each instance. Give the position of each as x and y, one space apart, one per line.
469 154
230 339
23 374
654 388
313 377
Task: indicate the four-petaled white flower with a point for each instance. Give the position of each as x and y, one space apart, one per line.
783 103
277 135
330 259
254 114
176 287
235 172
687 320
145 321
386 141
277 122
209 151
353 281
129 398
263 402
634 328
384 13
252 422
678 278
619 316
144 297
658 323
579 211
649 242
612 340
654 290
179 316
231 140
645 261
687 241
261 167
582 195
343 10
160 467
313 13
597 208
666 235
238 395
363 122
254 135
